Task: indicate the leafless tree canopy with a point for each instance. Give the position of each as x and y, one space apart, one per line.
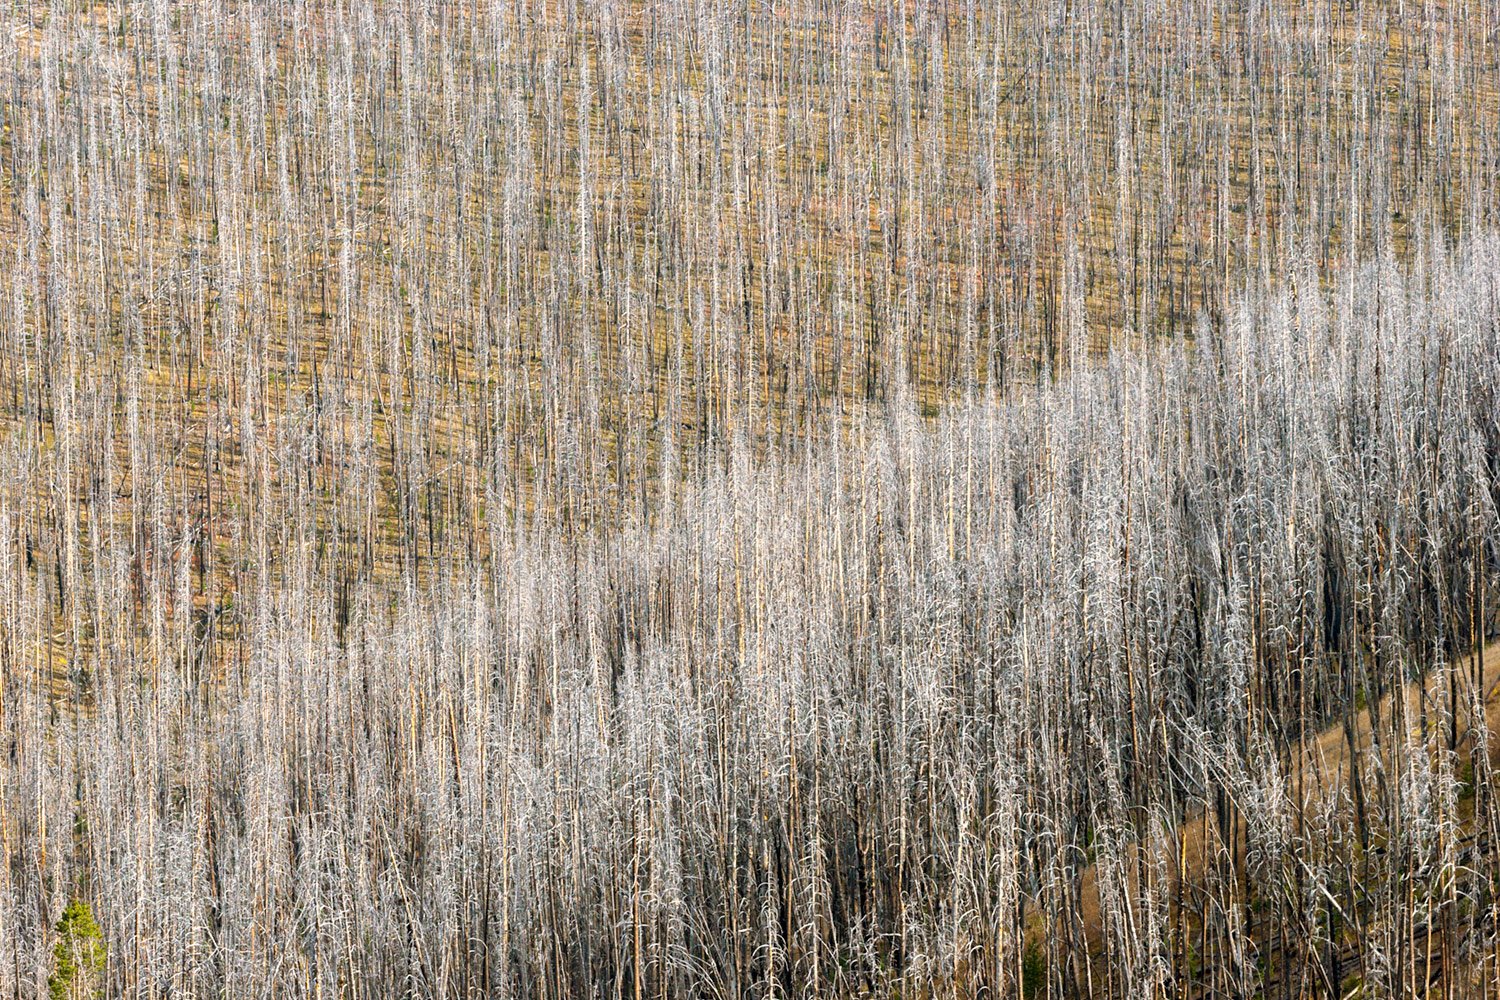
751 500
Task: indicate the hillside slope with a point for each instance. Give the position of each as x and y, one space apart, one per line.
1318 776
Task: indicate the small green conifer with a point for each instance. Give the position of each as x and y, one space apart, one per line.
79 955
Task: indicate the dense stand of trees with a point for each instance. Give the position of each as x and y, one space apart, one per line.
1024 683
814 499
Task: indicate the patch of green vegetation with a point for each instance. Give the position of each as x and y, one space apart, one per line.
1191 959
1033 971
79 955
1465 778
1266 966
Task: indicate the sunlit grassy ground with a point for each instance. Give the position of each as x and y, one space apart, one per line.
541 261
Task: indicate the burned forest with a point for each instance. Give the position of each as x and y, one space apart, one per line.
750 499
